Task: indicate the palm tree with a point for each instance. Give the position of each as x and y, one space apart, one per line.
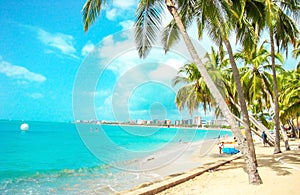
289 98
216 17
257 81
147 27
270 14
217 65
195 91
289 94
222 76
284 29
256 78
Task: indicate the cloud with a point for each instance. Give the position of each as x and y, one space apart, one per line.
127 24
118 53
124 4
176 63
121 9
111 14
87 48
129 97
59 41
166 70
19 72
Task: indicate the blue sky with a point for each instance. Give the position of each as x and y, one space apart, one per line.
42 48
50 70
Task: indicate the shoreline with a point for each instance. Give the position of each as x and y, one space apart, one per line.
214 175
171 161
196 156
113 124
165 127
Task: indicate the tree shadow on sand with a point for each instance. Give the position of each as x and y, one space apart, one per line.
282 164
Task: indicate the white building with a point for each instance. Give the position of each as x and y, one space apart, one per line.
197 120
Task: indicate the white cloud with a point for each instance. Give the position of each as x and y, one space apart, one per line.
163 73
127 24
111 14
19 72
167 69
121 9
87 48
175 62
118 53
124 4
62 42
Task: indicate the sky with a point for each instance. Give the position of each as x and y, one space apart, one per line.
51 70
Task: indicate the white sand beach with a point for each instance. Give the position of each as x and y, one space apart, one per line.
225 174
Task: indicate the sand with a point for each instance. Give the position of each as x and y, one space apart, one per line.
279 177
280 174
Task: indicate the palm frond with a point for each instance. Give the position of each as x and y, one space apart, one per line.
180 79
285 31
170 35
90 11
147 25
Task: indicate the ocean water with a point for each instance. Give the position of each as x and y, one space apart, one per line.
67 158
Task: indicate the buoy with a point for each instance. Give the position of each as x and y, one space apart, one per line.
24 127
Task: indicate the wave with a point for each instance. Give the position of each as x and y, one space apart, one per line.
95 180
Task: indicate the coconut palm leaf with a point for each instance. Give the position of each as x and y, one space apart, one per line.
90 11
147 25
170 35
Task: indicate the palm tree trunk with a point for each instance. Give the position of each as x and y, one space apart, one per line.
276 109
250 163
259 126
298 122
262 128
246 122
258 133
291 122
285 139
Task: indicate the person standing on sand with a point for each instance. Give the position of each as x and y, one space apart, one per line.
264 137
221 146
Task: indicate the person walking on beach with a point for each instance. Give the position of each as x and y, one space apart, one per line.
264 138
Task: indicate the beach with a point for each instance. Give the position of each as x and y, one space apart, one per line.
225 174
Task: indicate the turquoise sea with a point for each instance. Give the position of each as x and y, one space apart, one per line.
68 158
